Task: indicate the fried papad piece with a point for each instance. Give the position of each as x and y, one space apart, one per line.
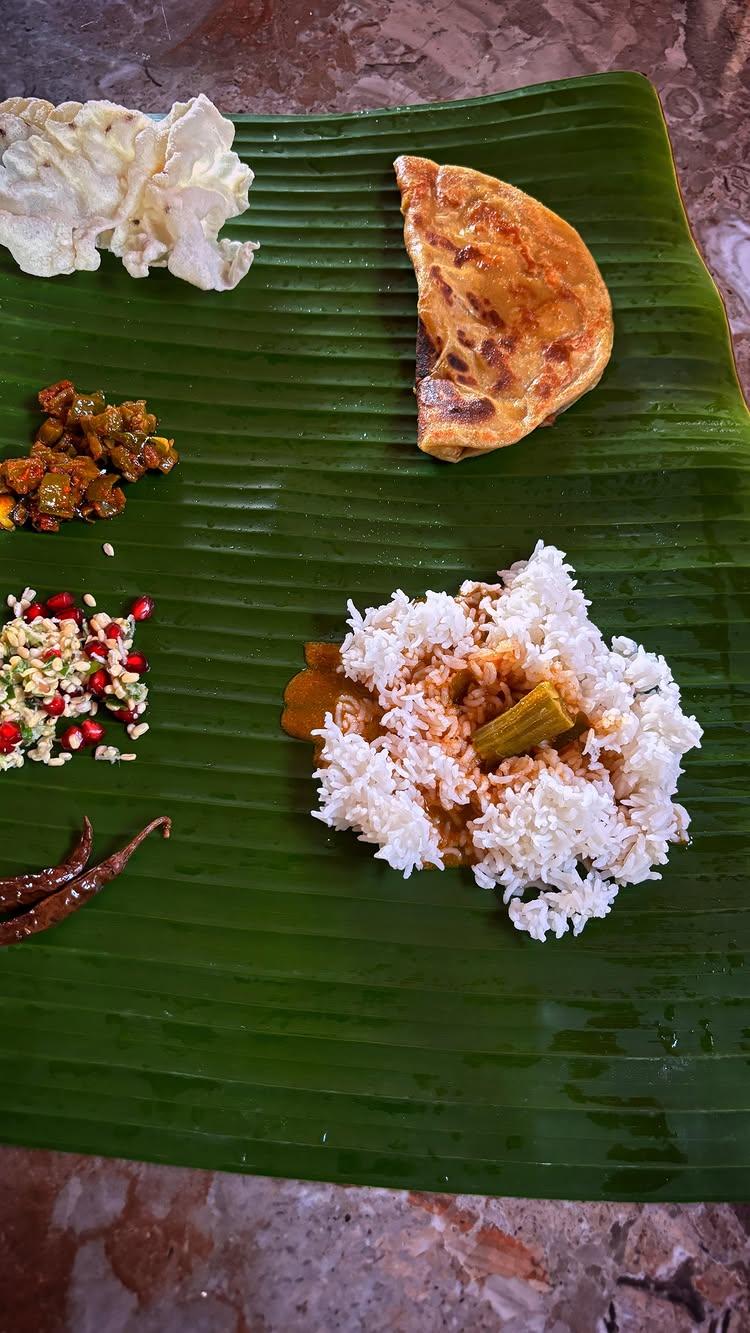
515 321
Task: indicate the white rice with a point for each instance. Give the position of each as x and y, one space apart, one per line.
572 825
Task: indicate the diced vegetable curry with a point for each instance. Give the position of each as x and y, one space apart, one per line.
82 452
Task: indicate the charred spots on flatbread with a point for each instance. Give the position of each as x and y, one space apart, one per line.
467 254
545 387
497 226
484 310
558 351
457 362
495 222
447 402
427 352
445 289
492 352
439 242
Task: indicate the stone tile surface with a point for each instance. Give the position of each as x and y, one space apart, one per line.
94 1246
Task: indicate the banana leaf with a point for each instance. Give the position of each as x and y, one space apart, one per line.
259 994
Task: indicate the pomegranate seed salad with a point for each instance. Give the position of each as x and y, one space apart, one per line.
65 672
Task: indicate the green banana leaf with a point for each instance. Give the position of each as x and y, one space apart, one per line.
259 994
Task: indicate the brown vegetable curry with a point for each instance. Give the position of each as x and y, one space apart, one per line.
82 452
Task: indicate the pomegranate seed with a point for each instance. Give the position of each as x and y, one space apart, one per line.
34 611
10 733
55 706
99 682
137 662
50 654
124 715
142 608
72 738
113 630
96 649
71 613
60 601
6 747
92 731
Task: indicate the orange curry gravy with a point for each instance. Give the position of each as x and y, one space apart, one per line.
317 690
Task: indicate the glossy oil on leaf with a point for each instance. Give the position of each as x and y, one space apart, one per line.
259 994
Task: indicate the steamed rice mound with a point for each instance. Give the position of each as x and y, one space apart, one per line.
572 823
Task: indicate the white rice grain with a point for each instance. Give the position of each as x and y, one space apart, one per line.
573 826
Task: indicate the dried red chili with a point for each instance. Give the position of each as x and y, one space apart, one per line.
23 889
56 906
